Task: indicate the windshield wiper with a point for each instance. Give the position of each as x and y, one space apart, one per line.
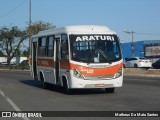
105 56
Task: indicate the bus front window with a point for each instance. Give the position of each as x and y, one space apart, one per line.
95 48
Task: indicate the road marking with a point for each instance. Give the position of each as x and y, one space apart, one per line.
15 107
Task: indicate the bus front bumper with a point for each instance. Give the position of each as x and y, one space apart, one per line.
94 83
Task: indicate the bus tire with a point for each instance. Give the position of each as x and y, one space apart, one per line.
66 89
109 90
45 84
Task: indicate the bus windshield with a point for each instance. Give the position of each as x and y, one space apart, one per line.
95 48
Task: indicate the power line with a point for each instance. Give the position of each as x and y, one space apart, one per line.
148 33
12 10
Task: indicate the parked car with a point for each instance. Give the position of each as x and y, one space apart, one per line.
156 65
137 62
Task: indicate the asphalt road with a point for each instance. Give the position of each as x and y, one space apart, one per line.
19 92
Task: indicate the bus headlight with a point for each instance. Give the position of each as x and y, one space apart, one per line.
119 73
77 74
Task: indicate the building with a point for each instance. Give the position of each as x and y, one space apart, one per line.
147 48
138 49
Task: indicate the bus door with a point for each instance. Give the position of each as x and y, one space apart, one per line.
34 60
57 58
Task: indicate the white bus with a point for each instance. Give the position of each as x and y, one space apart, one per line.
77 57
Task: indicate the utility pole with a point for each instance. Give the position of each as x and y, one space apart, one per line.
30 21
30 13
132 45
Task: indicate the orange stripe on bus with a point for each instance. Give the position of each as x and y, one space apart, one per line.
97 71
64 65
82 69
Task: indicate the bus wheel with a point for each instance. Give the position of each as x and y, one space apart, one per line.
45 85
67 90
109 90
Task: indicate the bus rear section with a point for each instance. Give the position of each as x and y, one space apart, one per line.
83 57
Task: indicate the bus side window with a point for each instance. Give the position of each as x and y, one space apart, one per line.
64 47
50 46
41 46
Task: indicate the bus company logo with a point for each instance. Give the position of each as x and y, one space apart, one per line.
89 71
96 37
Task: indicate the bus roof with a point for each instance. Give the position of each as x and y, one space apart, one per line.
82 29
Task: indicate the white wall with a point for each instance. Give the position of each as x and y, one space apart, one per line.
4 59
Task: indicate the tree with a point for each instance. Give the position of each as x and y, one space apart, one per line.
1 53
39 26
25 53
12 39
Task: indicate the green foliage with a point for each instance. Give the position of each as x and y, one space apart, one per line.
1 54
9 36
23 65
26 53
39 26
18 53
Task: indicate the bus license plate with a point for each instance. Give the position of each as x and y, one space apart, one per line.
99 85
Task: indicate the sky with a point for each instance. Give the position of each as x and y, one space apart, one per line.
140 16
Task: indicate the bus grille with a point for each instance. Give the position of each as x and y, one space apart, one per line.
106 77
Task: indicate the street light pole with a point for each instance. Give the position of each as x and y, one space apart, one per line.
132 45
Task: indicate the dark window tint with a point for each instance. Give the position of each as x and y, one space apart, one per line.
41 46
50 46
64 47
